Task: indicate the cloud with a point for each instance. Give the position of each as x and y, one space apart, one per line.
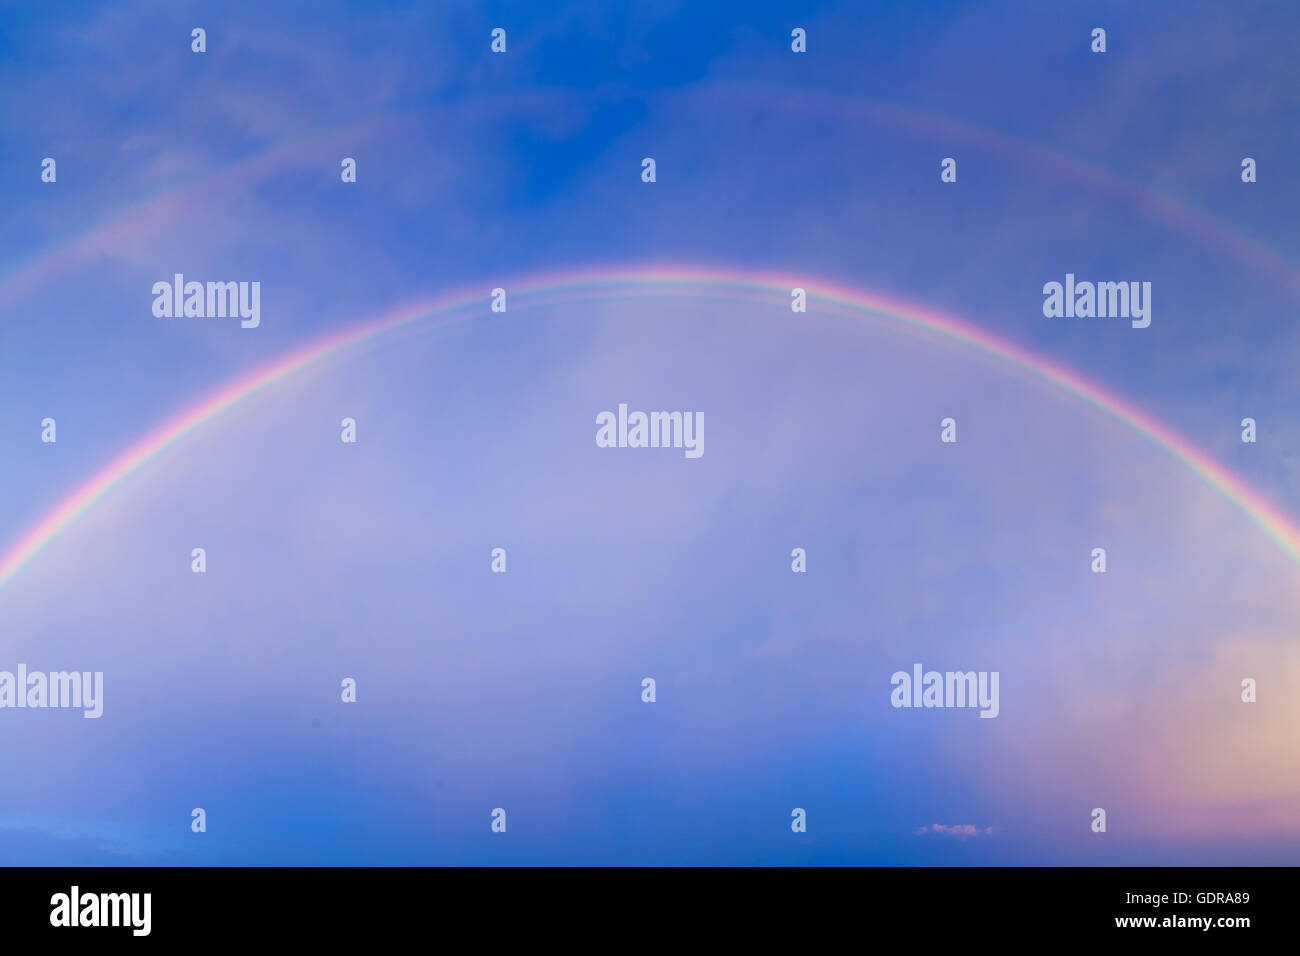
959 830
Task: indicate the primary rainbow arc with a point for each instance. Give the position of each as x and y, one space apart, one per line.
1275 523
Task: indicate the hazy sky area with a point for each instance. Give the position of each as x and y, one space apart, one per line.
522 690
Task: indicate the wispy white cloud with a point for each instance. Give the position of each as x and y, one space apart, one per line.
960 831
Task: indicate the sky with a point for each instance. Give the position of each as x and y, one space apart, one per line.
477 430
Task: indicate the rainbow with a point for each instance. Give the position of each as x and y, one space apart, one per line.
824 298
1054 163
304 152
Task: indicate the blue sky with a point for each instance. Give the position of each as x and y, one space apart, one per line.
522 690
